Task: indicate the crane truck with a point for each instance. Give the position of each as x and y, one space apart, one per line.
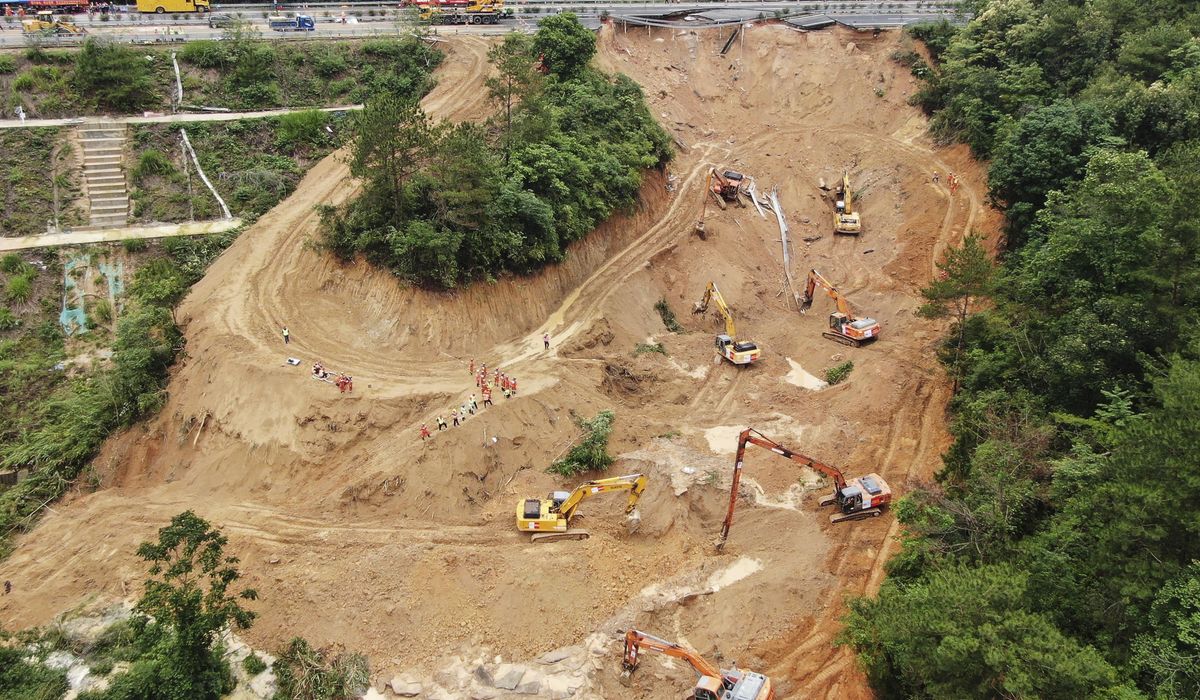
844 326
713 683
550 518
739 352
857 498
845 219
468 12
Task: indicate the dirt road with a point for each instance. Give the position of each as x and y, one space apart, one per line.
356 532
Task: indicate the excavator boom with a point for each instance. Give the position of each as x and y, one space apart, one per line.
844 326
550 518
857 498
739 352
713 683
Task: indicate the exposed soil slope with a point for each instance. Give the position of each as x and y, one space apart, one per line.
354 531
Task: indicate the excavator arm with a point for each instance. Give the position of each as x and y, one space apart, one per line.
816 279
635 641
635 484
711 293
753 437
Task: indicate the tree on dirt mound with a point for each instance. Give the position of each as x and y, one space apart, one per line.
564 44
188 601
591 452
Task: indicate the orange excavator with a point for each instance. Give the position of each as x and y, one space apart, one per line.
844 326
713 683
860 497
725 186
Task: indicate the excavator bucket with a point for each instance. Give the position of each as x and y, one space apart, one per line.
633 521
805 303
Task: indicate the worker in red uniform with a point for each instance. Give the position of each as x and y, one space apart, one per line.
472 365
513 381
424 432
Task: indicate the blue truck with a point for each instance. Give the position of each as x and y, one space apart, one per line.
299 23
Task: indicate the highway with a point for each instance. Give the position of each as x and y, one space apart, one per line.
379 19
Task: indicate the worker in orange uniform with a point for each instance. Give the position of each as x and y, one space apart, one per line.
513 381
472 365
424 432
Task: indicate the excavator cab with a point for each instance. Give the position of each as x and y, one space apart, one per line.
708 689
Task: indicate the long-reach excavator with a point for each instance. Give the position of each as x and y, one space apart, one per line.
844 326
845 219
713 683
860 497
739 352
550 518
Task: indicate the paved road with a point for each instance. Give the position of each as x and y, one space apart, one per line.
110 235
168 118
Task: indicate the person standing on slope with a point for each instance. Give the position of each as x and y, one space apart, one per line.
287 337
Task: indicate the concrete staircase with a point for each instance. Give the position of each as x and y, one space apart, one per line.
104 173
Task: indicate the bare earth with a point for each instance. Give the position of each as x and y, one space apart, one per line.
357 533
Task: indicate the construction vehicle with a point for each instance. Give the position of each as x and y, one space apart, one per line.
739 352
45 22
845 219
161 6
725 186
299 23
550 517
713 683
471 12
857 498
844 326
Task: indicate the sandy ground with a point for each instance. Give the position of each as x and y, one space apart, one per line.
356 532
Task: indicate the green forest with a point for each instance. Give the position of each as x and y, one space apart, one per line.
1057 552
447 203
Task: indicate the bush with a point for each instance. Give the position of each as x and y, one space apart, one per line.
205 54
8 64
24 82
135 245
307 127
591 452
668 316
838 373
253 664
643 348
304 672
21 679
8 321
19 289
152 162
114 76
13 264
328 63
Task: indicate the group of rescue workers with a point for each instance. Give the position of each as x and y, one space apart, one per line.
500 380
343 381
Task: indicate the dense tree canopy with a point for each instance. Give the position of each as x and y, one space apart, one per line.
1056 555
445 203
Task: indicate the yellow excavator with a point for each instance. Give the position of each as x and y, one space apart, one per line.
739 352
845 219
550 517
713 683
844 326
46 23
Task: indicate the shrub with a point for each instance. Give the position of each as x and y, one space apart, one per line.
838 373
13 264
254 665
8 321
591 452
8 64
205 54
668 316
24 82
103 311
21 679
152 162
307 127
328 63
135 245
114 76
304 672
19 289
643 348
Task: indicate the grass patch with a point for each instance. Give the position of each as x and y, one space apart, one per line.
590 453
838 373
643 348
253 664
27 191
304 672
668 316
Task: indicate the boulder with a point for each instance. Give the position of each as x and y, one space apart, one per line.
406 686
559 687
531 683
508 676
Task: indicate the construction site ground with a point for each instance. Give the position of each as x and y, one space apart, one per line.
357 533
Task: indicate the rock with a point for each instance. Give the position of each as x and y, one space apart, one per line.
484 694
406 686
531 683
484 675
508 676
558 688
553 657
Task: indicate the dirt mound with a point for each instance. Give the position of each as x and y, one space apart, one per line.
357 532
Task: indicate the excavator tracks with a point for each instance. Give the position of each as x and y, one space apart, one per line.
842 339
574 534
856 515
